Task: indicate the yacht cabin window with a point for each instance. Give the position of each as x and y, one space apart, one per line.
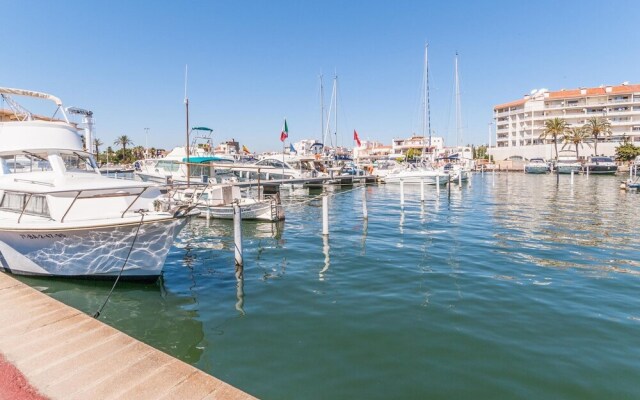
24 162
76 162
35 204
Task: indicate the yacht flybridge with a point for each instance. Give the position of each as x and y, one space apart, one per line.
59 216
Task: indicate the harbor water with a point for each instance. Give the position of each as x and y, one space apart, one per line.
513 286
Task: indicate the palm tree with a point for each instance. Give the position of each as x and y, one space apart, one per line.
96 144
576 136
123 141
554 128
595 127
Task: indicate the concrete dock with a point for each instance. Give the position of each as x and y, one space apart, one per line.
66 354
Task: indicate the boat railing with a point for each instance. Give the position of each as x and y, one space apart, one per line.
81 195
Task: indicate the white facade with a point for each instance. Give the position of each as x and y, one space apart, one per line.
400 147
520 123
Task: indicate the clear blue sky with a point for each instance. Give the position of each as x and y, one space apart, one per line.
251 63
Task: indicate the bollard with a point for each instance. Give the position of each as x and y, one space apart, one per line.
572 176
237 232
115 175
422 190
365 214
325 214
437 183
401 194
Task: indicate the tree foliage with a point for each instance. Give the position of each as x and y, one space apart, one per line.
627 151
554 129
597 127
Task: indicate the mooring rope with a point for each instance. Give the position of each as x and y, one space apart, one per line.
97 313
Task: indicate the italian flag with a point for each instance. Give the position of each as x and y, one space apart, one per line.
285 131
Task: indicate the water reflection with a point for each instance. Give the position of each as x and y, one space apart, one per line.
585 225
240 289
363 242
327 261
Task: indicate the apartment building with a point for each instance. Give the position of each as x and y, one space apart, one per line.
520 123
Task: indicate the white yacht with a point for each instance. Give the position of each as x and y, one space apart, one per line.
567 162
216 201
536 166
203 167
412 174
60 217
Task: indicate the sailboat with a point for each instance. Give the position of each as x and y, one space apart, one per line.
422 173
456 164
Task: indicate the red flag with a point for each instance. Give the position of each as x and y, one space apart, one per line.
356 138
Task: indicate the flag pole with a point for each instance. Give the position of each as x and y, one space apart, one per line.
284 128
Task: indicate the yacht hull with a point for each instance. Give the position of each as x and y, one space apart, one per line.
97 252
602 169
259 210
566 169
536 169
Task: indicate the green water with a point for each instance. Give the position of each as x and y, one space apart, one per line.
511 287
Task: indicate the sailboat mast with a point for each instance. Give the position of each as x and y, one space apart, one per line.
321 108
428 109
336 122
458 112
186 104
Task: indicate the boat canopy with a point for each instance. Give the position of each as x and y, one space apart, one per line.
31 93
199 160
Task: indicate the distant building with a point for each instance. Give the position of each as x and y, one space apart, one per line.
400 147
228 147
520 123
371 150
308 147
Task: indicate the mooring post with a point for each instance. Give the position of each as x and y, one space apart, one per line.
460 178
401 193
587 171
325 214
422 190
237 232
437 183
365 214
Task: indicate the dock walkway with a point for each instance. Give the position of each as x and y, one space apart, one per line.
66 354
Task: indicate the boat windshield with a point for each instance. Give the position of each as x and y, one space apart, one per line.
601 159
24 162
76 162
